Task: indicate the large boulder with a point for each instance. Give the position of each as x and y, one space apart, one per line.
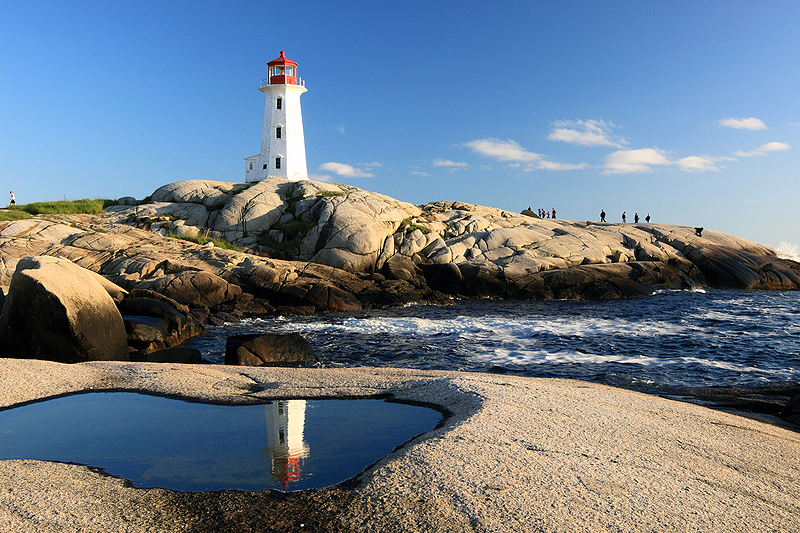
268 350
154 321
58 311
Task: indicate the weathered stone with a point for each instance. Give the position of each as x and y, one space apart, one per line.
58 311
182 325
178 354
268 350
792 410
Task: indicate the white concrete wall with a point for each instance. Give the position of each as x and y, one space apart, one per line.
291 147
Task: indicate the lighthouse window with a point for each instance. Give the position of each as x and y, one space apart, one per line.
278 132
277 162
251 165
279 103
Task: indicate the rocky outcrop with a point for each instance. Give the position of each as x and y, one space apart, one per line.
312 246
488 251
269 350
58 311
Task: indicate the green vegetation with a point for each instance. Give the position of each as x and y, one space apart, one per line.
13 214
219 243
65 207
407 226
293 234
329 194
423 229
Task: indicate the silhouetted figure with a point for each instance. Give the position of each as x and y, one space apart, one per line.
647 218
636 218
698 231
623 217
602 215
554 212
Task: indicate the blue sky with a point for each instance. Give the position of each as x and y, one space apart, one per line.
688 111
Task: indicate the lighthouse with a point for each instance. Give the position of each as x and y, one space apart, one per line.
283 144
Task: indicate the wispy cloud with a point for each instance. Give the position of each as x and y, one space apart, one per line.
419 173
340 128
751 123
764 149
700 163
629 161
507 150
448 163
345 170
586 133
552 165
645 159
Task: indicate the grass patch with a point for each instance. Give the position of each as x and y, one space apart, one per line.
293 234
329 194
13 214
66 207
219 243
407 226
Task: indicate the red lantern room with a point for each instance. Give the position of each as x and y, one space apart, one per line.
282 71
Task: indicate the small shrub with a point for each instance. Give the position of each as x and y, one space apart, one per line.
423 229
219 243
293 234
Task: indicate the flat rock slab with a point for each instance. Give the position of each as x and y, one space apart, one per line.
515 454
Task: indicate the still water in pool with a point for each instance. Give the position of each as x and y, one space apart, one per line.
189 446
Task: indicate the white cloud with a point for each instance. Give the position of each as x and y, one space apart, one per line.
628 161
502 150
343 169
586 133
340 128
320 177
763 149
448 163
698 163
751 123
551 165
419 173
371 165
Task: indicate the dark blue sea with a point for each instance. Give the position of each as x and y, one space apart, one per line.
672 342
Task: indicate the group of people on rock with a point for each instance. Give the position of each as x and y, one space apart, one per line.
544 213
624 217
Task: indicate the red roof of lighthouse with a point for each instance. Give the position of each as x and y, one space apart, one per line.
283 60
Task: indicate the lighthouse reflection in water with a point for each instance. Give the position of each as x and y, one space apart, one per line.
286 450
191 446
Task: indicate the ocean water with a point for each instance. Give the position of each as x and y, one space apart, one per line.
668 343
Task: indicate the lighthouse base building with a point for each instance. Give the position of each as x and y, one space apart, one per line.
283 144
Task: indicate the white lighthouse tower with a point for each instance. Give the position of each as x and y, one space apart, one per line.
283 144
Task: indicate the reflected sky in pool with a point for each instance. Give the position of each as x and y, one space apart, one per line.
189 446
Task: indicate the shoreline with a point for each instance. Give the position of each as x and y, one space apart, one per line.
516 454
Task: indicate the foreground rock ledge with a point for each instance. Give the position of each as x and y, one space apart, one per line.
517 454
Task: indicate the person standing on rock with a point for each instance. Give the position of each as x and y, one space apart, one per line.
554 212
623 217
13 198
647 218
602 215
636 218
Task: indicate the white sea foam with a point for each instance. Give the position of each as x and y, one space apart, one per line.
502 357
494 326
788 250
